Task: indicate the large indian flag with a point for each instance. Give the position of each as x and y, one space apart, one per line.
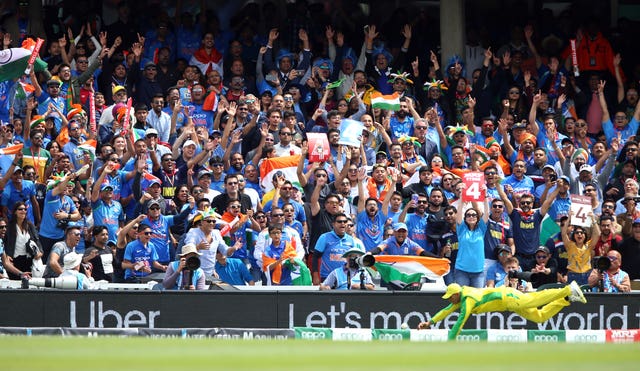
387 102
269 167
409 269
13 61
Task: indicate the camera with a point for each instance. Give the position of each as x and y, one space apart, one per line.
192 263
534 278
66 282
602 263
366 260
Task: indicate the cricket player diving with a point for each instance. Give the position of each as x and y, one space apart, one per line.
536 306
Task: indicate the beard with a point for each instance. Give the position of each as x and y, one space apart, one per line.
402 114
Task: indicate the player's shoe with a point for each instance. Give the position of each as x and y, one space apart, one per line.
576 293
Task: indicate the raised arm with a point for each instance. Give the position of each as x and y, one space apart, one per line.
603 102
547 203
362 173
503 196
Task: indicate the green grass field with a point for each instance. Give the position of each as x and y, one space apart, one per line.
111 353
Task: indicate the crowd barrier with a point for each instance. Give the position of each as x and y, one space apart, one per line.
286 310
346 334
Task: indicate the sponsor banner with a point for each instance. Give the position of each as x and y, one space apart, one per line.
352 334
287 310
312 333
252 333
432 336
586 336
28 331
95 332
162 332
391 335
537 336
622 336
472 336
507 336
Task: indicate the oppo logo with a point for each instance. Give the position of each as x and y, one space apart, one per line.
585 338
390 337
474 338
507 338
312 335
545 339
352 336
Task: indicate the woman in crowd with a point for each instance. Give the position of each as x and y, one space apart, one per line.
21 243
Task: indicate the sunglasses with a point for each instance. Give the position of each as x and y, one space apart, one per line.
277 215
154 208
497 206
526 202
210 221
540 257
147 233
234 206
471 216
343 221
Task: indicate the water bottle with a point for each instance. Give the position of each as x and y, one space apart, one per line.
447 254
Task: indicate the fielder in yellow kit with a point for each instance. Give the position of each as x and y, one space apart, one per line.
536 306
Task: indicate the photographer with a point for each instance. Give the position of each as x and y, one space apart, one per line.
185 274
609 277
351 276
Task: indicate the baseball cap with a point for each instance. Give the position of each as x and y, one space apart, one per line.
381 154
16 169
520 125
399 226
151 203
203 173
106 186
566 179
188 143
502 247
543 249
150 131
116 89
149 64
566 140
636 221
550 167
586 167
453 288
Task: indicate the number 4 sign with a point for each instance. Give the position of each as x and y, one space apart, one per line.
473 187
580 209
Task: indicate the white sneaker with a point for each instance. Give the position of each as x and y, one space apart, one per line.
576 293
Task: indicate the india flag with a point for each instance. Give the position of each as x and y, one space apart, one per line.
12 150
409 269
89 146
287 166
23 90
13 61
386 102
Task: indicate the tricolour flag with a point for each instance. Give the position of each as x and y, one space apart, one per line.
11 150
23 90
89 146
269 167
409 269
387 102
14 61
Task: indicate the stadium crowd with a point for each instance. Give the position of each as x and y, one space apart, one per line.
154 139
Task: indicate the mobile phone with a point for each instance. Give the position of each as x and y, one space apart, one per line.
414 198
553 177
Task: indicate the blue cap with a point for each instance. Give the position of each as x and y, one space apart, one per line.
399 226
